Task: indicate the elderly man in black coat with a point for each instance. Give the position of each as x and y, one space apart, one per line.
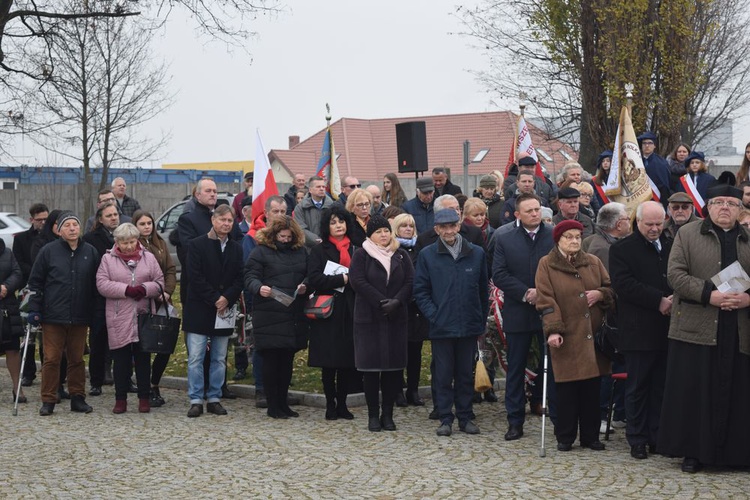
215 264
638 268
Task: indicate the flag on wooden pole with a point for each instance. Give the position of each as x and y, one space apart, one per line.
327 167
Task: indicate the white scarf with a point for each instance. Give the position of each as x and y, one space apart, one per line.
381 254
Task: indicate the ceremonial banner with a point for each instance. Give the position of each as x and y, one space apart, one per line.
628 182
327 167
522 144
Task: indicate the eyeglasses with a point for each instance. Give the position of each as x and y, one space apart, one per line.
682 206
363 205
36 219
728 204
355 186
585 195
572 236
647 143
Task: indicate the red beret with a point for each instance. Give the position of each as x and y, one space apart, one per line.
563 226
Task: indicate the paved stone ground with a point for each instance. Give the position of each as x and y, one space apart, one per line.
164 454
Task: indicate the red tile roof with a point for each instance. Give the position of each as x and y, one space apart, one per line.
367 148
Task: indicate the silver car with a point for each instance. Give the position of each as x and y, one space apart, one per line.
10 225
167 222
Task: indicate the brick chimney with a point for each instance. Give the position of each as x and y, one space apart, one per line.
293 141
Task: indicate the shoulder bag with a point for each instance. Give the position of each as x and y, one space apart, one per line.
156 333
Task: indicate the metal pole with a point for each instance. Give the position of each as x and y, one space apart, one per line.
467 146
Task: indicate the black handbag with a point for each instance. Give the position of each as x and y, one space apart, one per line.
158 334
606 342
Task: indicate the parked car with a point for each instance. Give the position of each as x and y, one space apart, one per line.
10 225
167 222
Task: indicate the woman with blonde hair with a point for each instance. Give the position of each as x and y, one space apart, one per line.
381 275
475 214
405 230
358 203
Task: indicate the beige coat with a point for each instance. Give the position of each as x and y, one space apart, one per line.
561 299
694 259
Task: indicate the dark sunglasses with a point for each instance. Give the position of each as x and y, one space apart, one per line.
355 186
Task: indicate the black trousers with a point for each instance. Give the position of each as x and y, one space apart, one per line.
158 367
336 382
98 349
413 365
647 373
388 383
578 405
277 375
123 360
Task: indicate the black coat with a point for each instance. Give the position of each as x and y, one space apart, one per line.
64 283
213 274
101 239
22 250
639 278
380 340
419 326
275 325
12 277
331 339
449 188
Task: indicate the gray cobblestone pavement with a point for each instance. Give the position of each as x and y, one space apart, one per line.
163 454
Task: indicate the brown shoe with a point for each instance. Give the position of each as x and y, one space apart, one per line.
536 409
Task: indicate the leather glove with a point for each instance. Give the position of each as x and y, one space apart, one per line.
389 306
135 292
34 318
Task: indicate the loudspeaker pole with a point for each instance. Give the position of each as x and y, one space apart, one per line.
467 147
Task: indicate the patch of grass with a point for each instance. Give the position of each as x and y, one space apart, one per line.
304 379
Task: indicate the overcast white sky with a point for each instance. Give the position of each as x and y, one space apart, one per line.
367 59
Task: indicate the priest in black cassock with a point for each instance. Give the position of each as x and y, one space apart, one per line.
706 412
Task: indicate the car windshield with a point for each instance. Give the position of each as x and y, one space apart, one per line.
20 221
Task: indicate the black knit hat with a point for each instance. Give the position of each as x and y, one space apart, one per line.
375 223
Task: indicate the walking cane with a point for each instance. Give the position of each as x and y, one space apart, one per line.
542 451
23 364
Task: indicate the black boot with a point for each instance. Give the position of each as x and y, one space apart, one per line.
373 421
47 409
412 397
273 410
386 419
341 410
284 403
331 409
400 399
78 404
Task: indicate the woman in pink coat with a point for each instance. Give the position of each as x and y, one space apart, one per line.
128 275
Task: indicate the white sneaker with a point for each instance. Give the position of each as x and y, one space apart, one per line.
603 428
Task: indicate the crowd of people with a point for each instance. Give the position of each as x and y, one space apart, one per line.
401 270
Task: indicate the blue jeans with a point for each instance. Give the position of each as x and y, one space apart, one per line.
519 345
453 377
196 344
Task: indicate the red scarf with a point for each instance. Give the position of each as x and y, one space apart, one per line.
135 256
342 246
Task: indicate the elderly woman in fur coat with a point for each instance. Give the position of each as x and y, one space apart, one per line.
573 290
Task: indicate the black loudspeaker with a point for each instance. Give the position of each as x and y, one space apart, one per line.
411 144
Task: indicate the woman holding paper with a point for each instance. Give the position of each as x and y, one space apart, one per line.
331 339
274 274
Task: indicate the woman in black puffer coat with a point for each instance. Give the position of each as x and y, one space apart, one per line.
278 264
11 329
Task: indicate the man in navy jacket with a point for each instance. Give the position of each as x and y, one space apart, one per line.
517 254
451 287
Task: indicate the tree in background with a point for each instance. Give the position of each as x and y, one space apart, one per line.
572 58
105 86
